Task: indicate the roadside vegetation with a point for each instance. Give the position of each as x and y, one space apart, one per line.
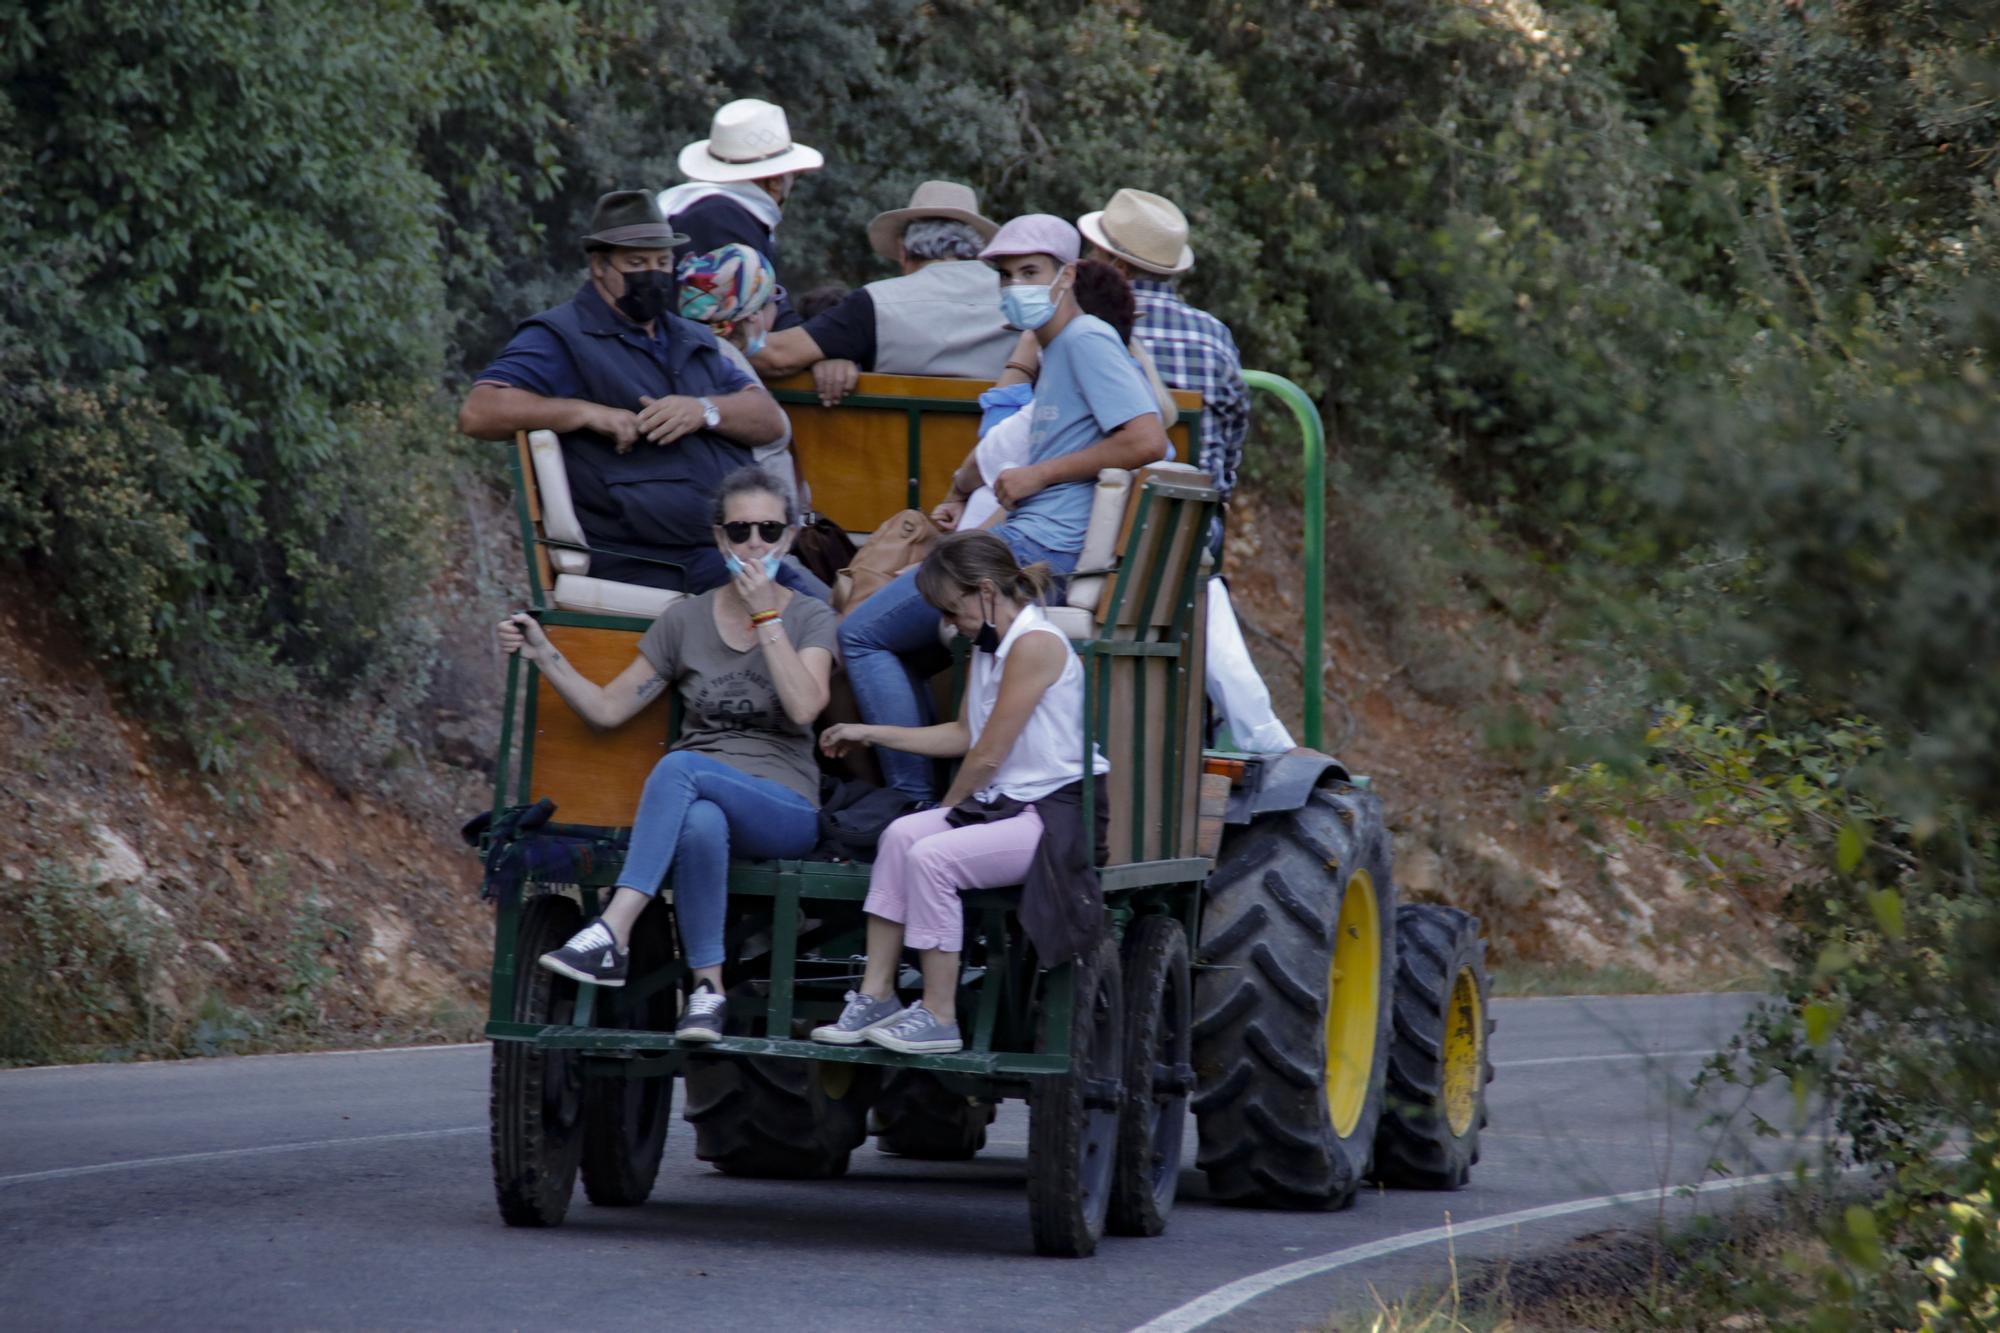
1662 336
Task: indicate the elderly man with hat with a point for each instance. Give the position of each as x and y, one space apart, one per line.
941 317
738 180
1146 237
651 414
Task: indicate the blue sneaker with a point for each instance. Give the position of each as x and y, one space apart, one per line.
916 1031
862 1012
592 955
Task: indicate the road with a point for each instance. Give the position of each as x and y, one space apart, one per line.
345 1191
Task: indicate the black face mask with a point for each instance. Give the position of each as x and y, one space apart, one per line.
649 294
988 638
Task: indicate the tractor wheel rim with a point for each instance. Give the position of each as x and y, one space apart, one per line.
1464 1056
1353 1003
836 1079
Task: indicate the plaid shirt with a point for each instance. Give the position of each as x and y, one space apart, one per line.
1194 351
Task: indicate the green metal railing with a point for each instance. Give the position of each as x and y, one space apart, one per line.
1315 465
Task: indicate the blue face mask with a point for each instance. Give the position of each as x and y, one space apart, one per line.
735 566
756 344
1027 307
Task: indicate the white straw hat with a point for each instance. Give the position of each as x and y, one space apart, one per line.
1142 229
933 199
748 140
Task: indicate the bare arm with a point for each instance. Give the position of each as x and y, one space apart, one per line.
496 411
602 706
1140 441
787 352
946 740
1035 663
800 676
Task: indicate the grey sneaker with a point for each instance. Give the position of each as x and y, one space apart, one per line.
916 1031
707 1013
862 1012
591 955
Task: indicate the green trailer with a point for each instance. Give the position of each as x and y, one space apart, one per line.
1255 965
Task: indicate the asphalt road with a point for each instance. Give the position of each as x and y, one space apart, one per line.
349 1191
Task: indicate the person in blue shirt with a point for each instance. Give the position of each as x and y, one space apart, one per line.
651 414
1092 410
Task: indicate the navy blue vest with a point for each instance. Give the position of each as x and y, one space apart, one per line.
655 500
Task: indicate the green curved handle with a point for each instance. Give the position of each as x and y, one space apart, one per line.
1315 467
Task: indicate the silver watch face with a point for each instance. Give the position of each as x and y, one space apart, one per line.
709 416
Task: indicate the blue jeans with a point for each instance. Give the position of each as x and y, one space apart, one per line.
890 645
693 806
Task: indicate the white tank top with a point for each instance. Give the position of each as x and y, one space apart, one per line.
1048 754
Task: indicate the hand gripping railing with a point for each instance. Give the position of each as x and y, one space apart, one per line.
1315 467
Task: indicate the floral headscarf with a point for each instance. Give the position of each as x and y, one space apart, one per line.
725 284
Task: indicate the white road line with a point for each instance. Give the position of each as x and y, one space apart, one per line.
1223 1300
66 1172
1581 1059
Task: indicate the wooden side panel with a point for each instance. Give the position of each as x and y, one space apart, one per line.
595 777
1186 448
1194 686
857 458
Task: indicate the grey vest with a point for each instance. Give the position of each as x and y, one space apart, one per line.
944 319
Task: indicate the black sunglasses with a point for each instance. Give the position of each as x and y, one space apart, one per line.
740 532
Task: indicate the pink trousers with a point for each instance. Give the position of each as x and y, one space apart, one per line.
922 863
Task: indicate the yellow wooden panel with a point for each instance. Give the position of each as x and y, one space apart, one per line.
595 777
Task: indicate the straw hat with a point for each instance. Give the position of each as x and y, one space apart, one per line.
631 220
748 140
1142 229
933 199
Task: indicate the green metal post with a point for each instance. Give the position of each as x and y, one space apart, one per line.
1315 460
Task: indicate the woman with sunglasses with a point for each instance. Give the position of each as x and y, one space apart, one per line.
751 660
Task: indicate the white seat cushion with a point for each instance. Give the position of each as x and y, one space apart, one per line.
580 592
559 521
1100 539
1073 621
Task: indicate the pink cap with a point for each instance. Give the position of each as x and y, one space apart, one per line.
1035 234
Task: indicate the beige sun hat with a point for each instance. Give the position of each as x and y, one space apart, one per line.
747 141
933 199
1142 229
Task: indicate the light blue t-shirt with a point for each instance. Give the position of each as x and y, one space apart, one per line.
1089 386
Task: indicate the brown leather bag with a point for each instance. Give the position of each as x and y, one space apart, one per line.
904 540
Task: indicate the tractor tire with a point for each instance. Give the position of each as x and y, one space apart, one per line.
1159 1075
1439 1060
1292 1000
918 1116
537 1098
776 1117
625 1118
1073 1117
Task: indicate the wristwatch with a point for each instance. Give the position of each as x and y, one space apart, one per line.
709 416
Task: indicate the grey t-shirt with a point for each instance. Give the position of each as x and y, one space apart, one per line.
729 707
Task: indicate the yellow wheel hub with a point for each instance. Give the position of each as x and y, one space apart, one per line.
1464 1052
1353 1004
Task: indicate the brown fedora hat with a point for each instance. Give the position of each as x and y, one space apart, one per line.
631 220
947 200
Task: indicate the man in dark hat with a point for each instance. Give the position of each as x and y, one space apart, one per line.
652 416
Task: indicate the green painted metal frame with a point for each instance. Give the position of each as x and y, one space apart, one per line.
1314 445
789 884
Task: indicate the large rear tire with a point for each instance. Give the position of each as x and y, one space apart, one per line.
626 1118
1158 1077
537 1099
774 1117
1073 1117
1292 1003
1439 1062
918 1116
